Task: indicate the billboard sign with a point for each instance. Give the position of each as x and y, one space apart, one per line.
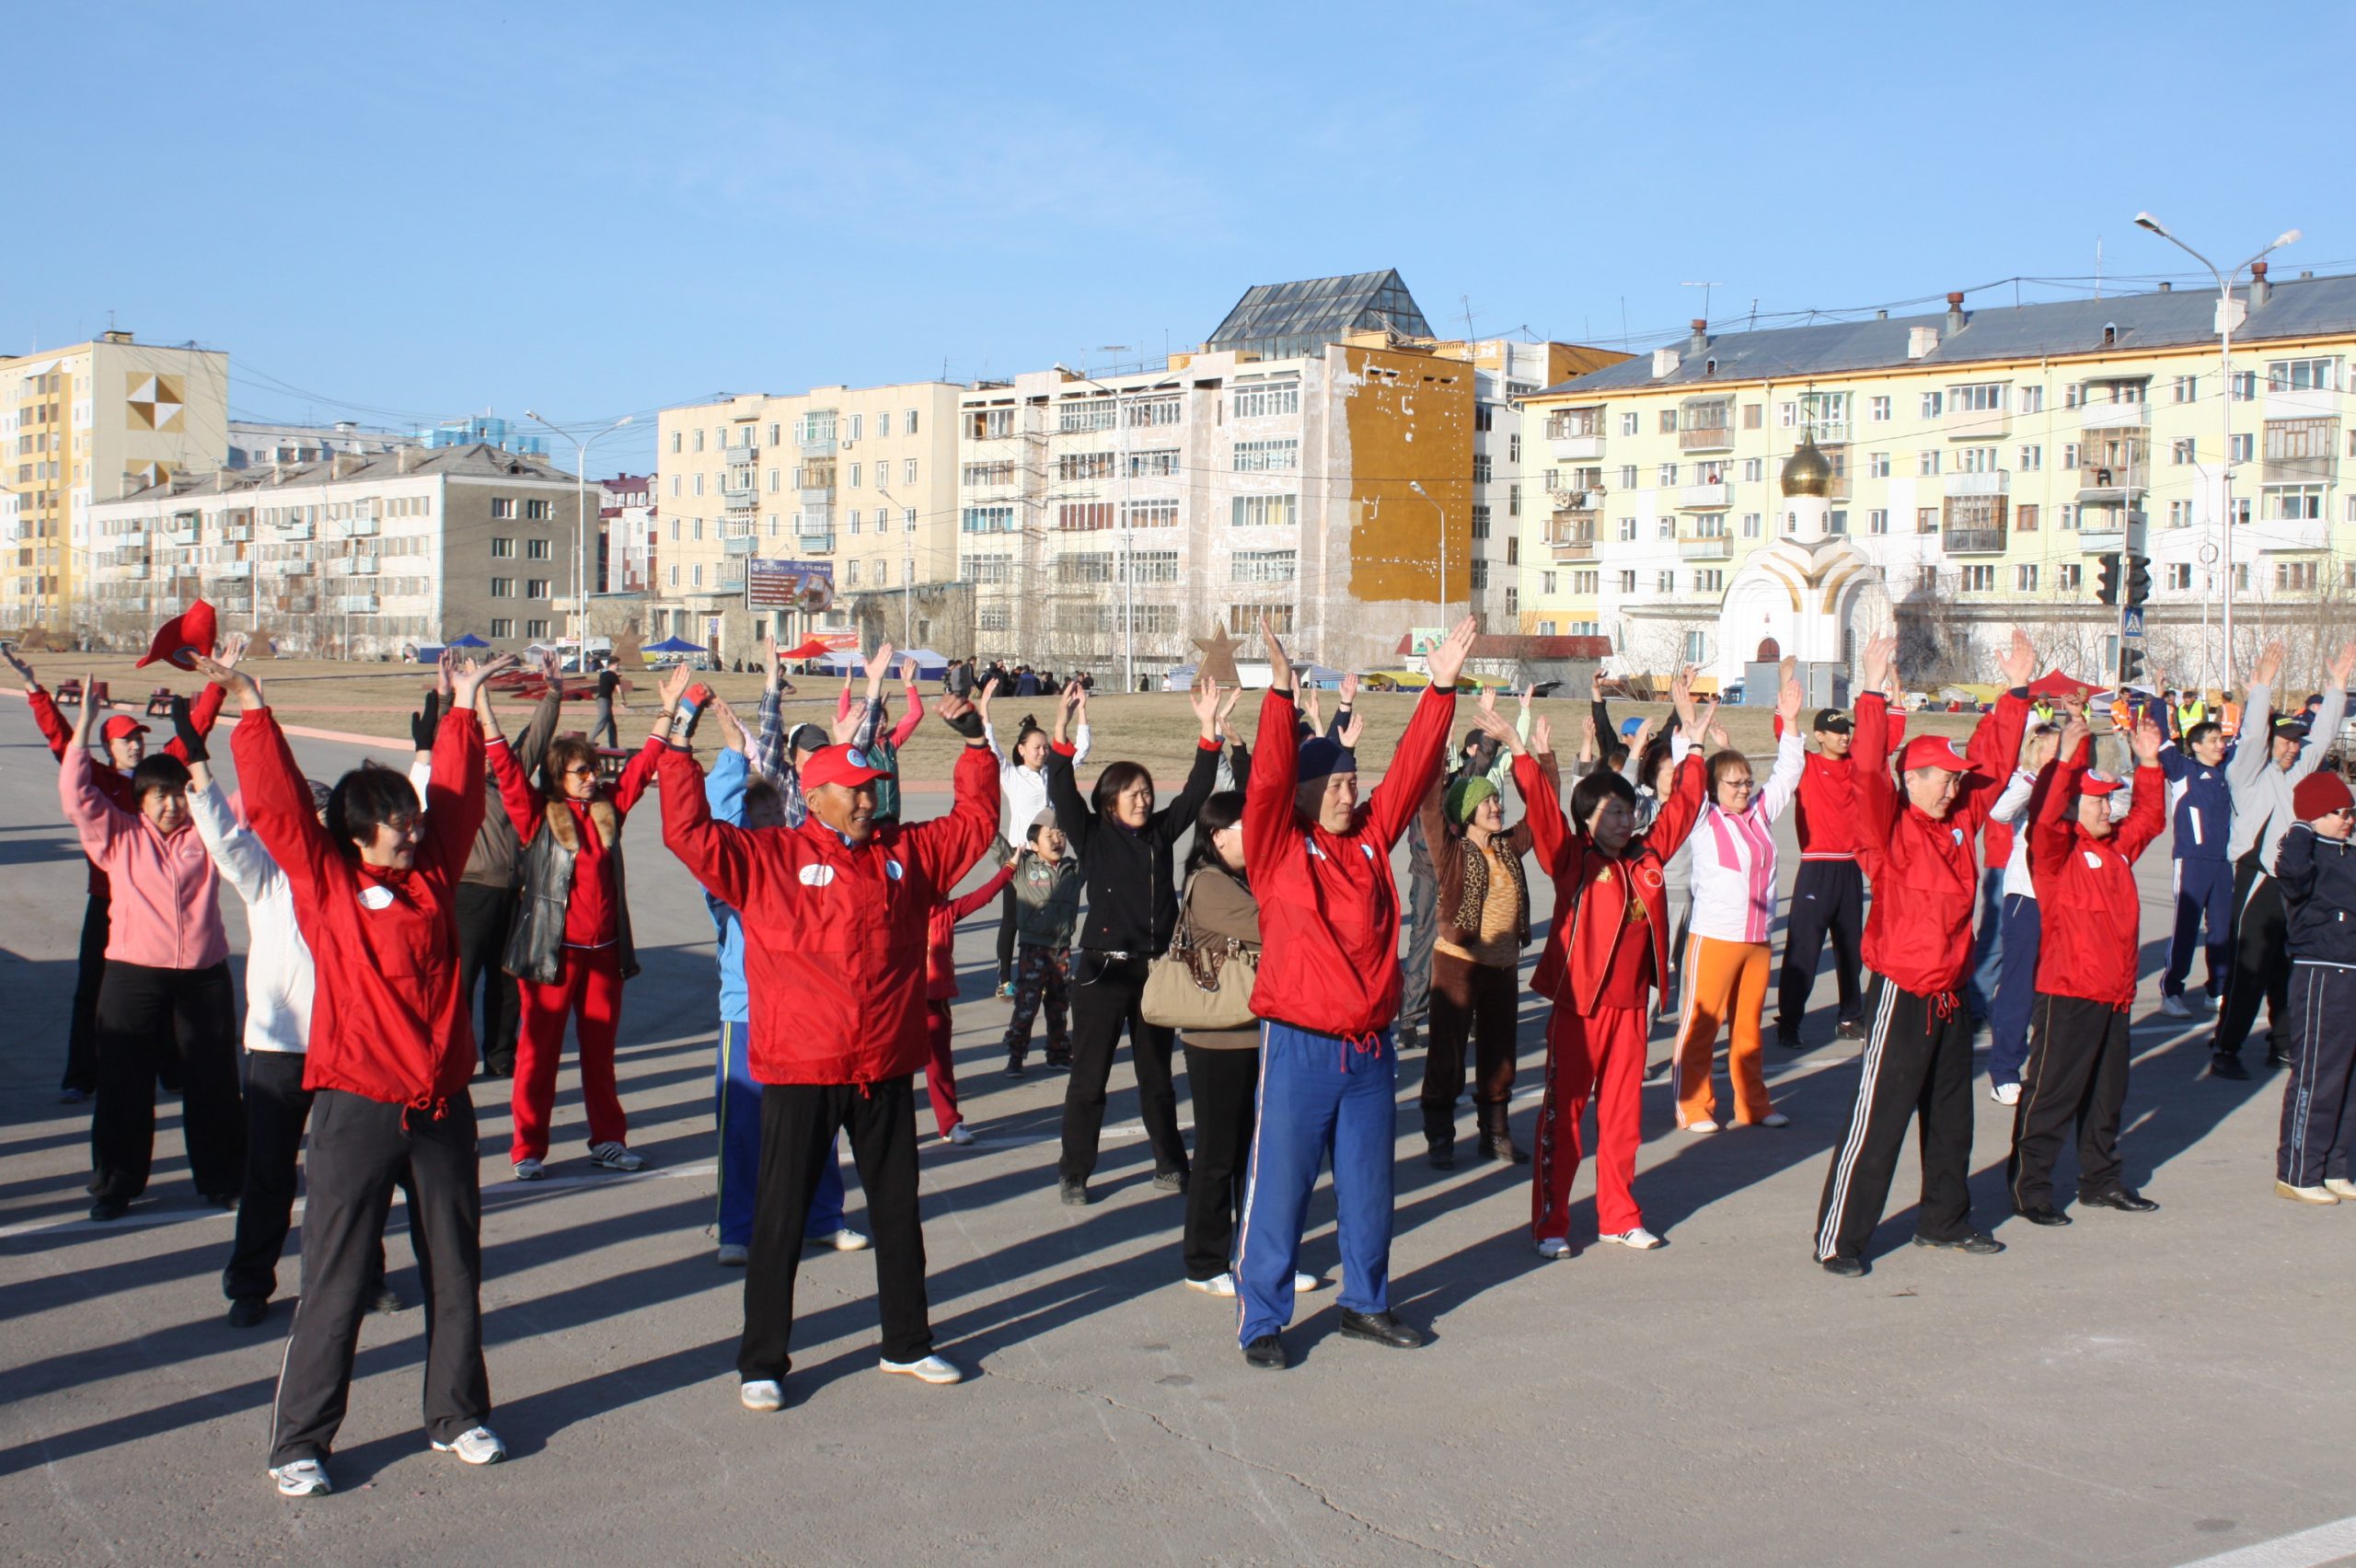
788 584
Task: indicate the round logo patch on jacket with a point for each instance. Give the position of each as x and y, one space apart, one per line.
892 868
817 876
376 895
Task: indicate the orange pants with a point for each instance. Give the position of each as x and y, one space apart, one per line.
1724 981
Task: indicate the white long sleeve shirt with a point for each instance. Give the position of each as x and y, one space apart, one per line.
2010 808
1022 792
1733 854
278 962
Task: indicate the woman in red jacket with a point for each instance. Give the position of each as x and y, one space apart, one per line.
1606 949
569 948
941 995
2084 867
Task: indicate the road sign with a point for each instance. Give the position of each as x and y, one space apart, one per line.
2131 625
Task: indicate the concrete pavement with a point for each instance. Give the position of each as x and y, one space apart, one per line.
2132 1390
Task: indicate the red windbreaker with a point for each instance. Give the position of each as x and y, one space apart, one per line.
1592 888
387 1020
2085 886
941 935
834 935
1825 811
115 786
1926 869
1329 909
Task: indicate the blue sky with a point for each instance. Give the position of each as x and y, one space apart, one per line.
384 212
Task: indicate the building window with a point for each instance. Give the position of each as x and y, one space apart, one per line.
1665 582
2030 400
1836 521
1627 530
1876 464
538 510
501 550
1627 583
2301 375
989 425
2186 388
537 630
1263 511
501 627
2179 515
1082 416
1271 566
674 441
2069 457
1751 524
535 549
1931 405
502 587
1085 516
2293 504
855 471
1583 582
1710 580
1247 402
987 519
1927 463
1926 519
1483 469
1627 476
2069 577
1754 416
1877 411
1628 424
1480 522
1975 460
2180 578
2295 576
1133 514
2245 387
908 422
2031 459
2024 578
1070 467
1668 421
1513 500
1267 456
1546 583
850 572
1977 579
503 506
2244 447
535 588
2025 519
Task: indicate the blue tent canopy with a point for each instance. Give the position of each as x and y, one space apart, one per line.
674 645
468 639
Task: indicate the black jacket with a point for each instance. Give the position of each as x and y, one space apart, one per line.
1132 896
535 940
2317 876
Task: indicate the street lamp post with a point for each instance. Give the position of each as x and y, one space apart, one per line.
909 577
2225 473
580 522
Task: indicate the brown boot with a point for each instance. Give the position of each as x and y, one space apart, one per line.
1496 1134
1439 1135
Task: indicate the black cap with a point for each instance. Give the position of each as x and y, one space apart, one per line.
1832 719
2290 729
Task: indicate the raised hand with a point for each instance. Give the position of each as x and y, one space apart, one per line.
445 667
1529 690
1680 697
1350 689
1587 737
2147 740
24 671
1646 730
1447 661
731 728
426 722
2020 660
1541 736
675 681
233 649
1594 684
961 715
909 674
770 651
2343 665
2075 734
87 709
1227 704
1789 697
982 699
1490 722
234 681
1312 709
879 664
1280 667
1204 701
1352 728
2269 664
552 669
469 686
1717 732
1880 661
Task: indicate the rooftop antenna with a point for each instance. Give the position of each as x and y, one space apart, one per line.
1706 286
2097 266
1466 301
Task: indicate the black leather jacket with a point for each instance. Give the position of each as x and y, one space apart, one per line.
536 940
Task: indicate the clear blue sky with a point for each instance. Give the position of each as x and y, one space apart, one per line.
597 209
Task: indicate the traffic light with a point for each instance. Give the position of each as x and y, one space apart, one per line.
2108 592
2138 580
2131 665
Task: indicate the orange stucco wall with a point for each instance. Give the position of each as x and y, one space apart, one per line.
1408 417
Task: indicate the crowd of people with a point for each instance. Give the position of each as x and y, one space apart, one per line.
408 931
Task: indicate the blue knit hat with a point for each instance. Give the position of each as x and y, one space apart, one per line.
1320 759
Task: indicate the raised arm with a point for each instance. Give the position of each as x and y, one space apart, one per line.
639 772
1416 761
964 904
236 853
718 856
724 787
2147 809
2324 732
914 711
1171 823
2249 762
277 798
948 847
525 807
1269 830
1549 836
1876 795
98 821
201 715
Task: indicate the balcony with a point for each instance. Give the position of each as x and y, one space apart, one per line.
1708 547
133 572
355 566
236 603
731 578
1576 449
816 441
1997 483
1980 424
819 516
1705 438
299 604
2114 416
740 545
236 571
2103 529
357 528
2301 403
2112 486
1703 498
1972 541
238 533
356 604
818 544
2283 534
290 569
188 533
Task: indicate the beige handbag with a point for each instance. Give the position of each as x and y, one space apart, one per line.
1200 984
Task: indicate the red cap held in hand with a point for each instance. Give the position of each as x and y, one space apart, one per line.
190 633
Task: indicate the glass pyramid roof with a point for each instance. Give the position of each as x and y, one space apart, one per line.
1282 320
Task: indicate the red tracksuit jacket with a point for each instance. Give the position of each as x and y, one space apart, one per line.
387 1020
834 935
1329 910
116 786
2085 886
1926 869
1825 811
1592 888
941 935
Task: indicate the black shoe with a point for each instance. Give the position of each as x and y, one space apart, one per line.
1059 1059
70 1095
385 1299
1790 1042
2126 1200
1440 1153
247 1310
1381 1327
1169 1181
1074 1193
1843 1268
2277 1056
2043 1214
218 1200
499 1067
1266 1353
109 1208
1015 1067
1979 1243
2225 1065
1849 1029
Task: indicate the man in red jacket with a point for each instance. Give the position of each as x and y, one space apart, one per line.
390 1056
2084 867
1327 995
1918 842
1829 895
835 914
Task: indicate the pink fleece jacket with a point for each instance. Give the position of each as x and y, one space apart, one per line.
166 905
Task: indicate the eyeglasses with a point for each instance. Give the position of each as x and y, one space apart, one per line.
579 771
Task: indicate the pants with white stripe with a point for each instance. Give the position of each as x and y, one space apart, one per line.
736 1107
2076 1075
2261 971
1917 1066
1318 1092
2318 1111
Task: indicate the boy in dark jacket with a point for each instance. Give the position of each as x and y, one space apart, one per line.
1046 912
2316 869
2204 878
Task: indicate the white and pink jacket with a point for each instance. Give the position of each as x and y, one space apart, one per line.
1734 854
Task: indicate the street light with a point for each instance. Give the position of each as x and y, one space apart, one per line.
580 523
909 578
2225 356
1418 486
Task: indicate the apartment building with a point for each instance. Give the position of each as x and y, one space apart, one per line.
82 425
254 443
1981 463
1321 460
860 482
628 522
1505 489
353 557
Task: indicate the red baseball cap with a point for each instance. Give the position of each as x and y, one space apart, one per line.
2093 783
839 765
190 632
2053 683
121 724
1933 751
2319 794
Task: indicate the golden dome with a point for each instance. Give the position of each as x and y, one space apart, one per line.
1807 471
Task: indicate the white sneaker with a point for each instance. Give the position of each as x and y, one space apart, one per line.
733 1255
476 1445
1702 1126
932 1369
301 1478
2004 1093
1217 1284
1643 1241
1304 1283
1555 1247
960 1134
529 1170
1775 1119
2305 1194
761 1394
2175 1007
2340 1186
843 1241
614 1157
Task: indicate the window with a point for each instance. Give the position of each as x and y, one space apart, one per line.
1665 582
538 510
1484 468
1627 530
1754 470
537 630
698 440
535 549
2292 503
1154 565
2024 578
2069 577
907 470
2295 576
1666 527
986 569
1977 579
2025 519
1071 466
2031 399
1668 421
2179 577
1267 456
1977 397
1252 402
2069 457
1836 521
1876 464
987 519
2301 375
2185 388
883 425
695 528
2031 459
674 441
1754 416
1628 424
2180 452
2241 577
984 424
907 423
1513 447
854 475
2244 447
1266 566
1668 473
1583 582
1931 402
1926 519
536 587
1627 583
1480 522
1877 520
1079 416
858 426
1142 515
1750 523
1975 460
1513 500
981 475
1263 511
1927 461
1877 411
1084 517
1627 476
501 550
504 506
501 627
502 587
2245 387
694 575
675 575
2179 515
1546 583
2068 514
1710 580
695 485
1149 413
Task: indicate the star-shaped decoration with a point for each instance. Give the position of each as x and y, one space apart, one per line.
1219 657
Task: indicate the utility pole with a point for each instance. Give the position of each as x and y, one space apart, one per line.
580 523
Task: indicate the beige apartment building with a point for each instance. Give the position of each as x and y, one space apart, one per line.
80 426
858 483
355 557
1982 462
